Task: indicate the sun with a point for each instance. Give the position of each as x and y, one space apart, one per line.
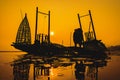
51 33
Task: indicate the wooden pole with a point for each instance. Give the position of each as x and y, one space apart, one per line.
48 26
36 23
92 24
80 25
79 21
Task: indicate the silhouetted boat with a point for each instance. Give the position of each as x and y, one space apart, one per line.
91 42
43 46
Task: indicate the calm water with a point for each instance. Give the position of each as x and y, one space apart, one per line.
21 66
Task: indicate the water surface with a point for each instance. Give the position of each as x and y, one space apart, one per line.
21 66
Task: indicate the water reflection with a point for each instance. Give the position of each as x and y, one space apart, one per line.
80 70
88 68
21 71
84 68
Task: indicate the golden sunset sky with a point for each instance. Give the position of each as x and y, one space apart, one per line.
105 14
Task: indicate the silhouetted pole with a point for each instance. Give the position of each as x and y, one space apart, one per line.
92 24
48 26
80 25
36 23
79 21
70 38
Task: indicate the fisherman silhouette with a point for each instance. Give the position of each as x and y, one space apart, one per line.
78 37
80 70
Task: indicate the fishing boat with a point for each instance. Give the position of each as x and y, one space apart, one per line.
43 46
88 43
91 42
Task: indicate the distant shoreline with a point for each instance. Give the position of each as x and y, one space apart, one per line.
11 51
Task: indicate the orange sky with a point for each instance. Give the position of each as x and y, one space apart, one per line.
105 13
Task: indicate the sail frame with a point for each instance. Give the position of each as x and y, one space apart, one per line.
24 33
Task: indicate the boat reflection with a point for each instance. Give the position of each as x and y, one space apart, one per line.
84 68
21 71
88 69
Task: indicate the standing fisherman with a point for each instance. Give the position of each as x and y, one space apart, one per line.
78 37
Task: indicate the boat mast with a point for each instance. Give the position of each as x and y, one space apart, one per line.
79 21
48 27
80 24
92 24
48 14
36 23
